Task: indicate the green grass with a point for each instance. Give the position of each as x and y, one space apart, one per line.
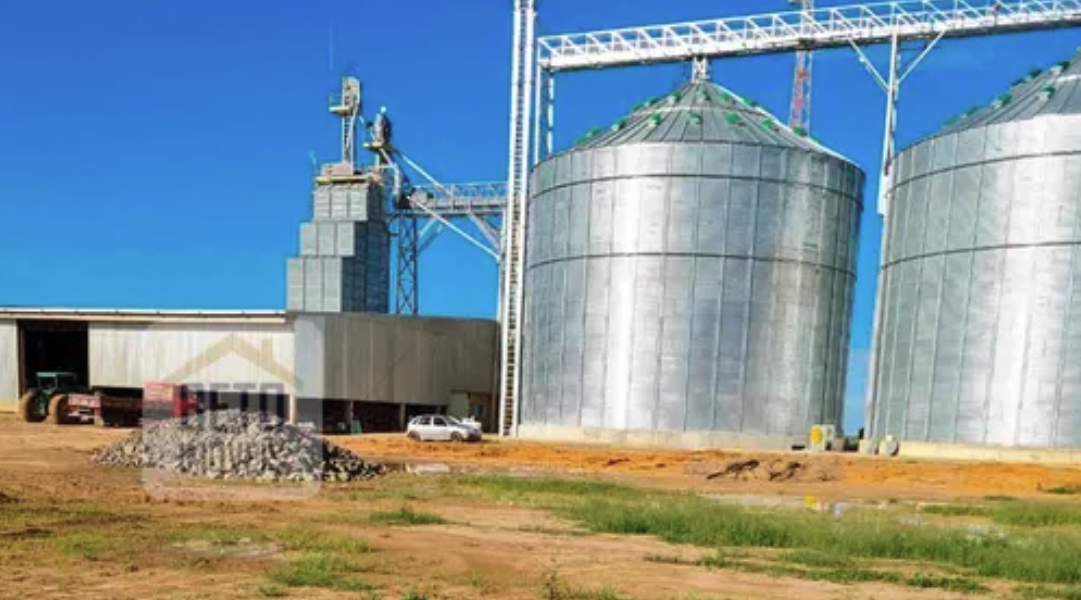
476 580
950 584
1048 557
317 570
1064 490
271 590
1014 514
554 588
851 575
322 542
957 510
1034 514
405 516
1038 592
549 486
85 545
811 558
818 566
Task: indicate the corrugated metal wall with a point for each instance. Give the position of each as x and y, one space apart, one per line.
380 358
9 365
344 263
219 356
690 287
981 337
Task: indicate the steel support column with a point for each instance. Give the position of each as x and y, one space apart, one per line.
891 85
407 282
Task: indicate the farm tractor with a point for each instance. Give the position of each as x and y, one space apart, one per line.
60 398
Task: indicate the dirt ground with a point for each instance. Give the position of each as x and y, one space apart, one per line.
848 476
484 550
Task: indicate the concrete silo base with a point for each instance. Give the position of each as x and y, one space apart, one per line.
1042 456
676 440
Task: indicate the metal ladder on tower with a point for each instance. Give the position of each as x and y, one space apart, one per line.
522 80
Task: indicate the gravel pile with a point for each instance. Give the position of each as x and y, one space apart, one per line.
237 445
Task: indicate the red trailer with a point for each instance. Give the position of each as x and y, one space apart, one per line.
102 410
169 401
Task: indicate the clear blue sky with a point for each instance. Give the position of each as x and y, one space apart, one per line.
155 154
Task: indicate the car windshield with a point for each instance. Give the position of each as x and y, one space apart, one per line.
452 420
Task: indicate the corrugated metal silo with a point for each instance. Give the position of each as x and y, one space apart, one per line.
689 279
980 341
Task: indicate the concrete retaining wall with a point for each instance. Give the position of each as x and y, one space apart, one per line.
926 450
659 439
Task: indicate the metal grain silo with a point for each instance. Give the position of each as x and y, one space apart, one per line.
980 341
689 278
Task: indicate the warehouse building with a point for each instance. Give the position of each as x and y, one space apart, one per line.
369 371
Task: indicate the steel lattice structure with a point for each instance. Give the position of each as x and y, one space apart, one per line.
822 28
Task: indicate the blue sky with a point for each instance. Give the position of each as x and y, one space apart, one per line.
155 154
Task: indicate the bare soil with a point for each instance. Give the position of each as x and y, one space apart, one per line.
484 550
838 476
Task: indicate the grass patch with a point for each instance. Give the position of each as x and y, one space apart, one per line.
811 558
322 542
554 588
549 486
957 510
1045 558
950 584
1014 514
669 559
483 585
1037 592
317 570
1064 490
1033 514
551 530
405 516
851 575
271 590
87 546
819 566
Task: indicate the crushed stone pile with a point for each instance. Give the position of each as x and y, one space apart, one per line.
232 444
755 469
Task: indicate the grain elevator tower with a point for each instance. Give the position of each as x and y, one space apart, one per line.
344 263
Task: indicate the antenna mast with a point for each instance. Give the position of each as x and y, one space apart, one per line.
800 112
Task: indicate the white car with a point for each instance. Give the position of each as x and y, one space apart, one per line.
439 428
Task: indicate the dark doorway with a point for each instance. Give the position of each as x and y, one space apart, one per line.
53 346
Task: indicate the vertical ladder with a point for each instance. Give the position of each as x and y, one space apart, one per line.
513 253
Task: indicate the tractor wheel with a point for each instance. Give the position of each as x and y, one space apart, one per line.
25 409
58 409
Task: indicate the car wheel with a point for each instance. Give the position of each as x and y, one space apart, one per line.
413 436
457 437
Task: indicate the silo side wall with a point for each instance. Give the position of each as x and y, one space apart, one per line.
981 335
688 288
